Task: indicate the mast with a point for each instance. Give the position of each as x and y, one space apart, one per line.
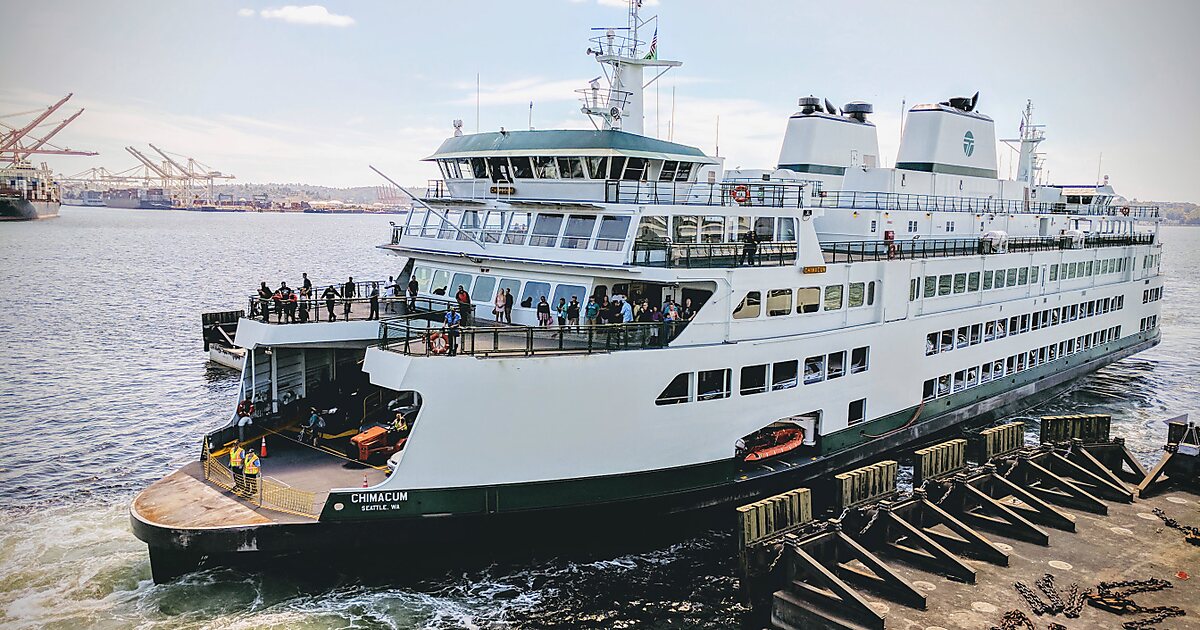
1032 135
622 105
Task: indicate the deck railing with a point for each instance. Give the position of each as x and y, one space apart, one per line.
424 335
265 492
655 253
360 310
853 251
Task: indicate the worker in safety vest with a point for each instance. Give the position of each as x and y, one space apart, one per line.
237 458
399 424
250 470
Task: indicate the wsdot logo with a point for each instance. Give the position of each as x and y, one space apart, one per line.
969 143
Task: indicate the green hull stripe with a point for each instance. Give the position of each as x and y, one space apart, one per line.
947 169
595 490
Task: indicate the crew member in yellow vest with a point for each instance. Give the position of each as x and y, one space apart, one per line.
250 470
237 457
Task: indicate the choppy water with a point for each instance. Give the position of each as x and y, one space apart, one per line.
104 389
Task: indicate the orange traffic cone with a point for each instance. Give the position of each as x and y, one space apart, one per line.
364 480
262 451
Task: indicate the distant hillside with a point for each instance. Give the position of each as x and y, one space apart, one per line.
309 192
1177 212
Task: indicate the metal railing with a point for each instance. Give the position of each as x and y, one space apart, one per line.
318 307
424 335
853 251
865 200
654 253
750 194
264 492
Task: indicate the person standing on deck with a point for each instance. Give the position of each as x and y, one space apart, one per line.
499 304
508 306
749 248
464 304
389 294
453 321
329 294
250 470
277 298
264 303
236 457
573 313
413 288
289 308
374 314
592 311
349 292
560 311
626 312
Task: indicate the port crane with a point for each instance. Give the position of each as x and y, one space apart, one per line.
17 144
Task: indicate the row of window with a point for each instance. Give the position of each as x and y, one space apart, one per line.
690 229
1151 295
808 300
1149 323
756 379
955 283
947 384
482 287
508 169
948 340
1150 261
546 229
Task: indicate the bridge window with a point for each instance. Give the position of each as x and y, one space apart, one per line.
616 166
713 384
808 300
779 302
749 307
578 232
635 167
677 391
545 230
522 167
597 167
499 170
612 233
518 229
479 168
754 379
570 167
545 167
668 171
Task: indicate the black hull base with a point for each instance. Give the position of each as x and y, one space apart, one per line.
462 540
12 209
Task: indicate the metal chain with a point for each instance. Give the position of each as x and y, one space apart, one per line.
1107 597
1159 614
1014 620
1190 533
1035 603
1054 625
874 515
1045 584
1074 602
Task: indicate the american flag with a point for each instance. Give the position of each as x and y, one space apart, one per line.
653 54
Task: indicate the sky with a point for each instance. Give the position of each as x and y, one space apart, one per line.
315 93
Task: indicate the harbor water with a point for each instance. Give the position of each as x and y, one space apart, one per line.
104 389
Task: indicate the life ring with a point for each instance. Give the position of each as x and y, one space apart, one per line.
437 343
741 194
1125 211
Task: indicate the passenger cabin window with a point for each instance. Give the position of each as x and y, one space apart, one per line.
612 233
857 411
460 280
712 229
859 359
484 290
814 369
534 291
787 230
568 291
579 231
652 228
470 225
545 230
453 218
749 307
764 229
713 384
836 364
783 375
856 294
808 300
677 391
833 297
754 379
685 228
441 281
493 227
518 229
510 285
779 302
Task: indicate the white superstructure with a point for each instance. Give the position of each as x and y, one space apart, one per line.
866 305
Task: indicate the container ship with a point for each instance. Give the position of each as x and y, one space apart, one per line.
144 198
27 192
597 330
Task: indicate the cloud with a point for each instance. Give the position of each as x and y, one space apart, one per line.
519 91
246 12
313 14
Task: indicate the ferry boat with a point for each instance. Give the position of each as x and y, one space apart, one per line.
27 192
832 311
